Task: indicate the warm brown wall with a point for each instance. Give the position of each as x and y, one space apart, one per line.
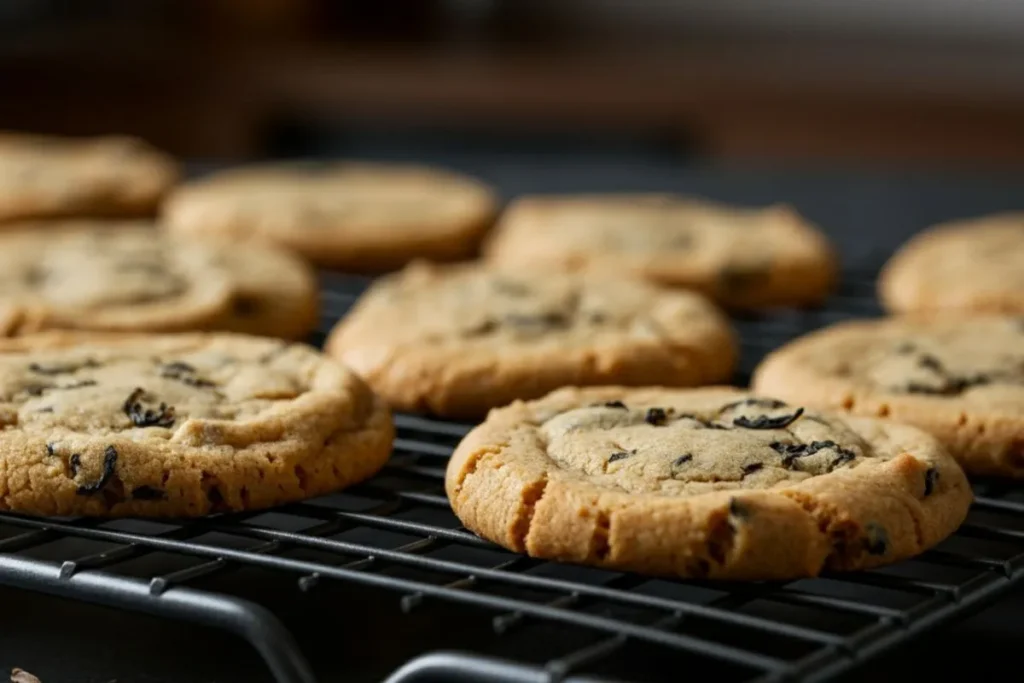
206 78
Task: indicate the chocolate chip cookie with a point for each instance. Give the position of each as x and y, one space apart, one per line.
47 177
127 276
700 483
361 217
971 266
743 258
457 340
178 425
962 379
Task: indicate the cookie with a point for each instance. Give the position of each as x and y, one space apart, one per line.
124 278
743 258
703 483
127 276
178 425
360 217
962 379
48 177
971 266
457 340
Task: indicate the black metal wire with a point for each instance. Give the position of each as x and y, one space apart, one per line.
410 544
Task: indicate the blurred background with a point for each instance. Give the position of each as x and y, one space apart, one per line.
820 82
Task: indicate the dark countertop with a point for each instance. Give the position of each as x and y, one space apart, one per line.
866 213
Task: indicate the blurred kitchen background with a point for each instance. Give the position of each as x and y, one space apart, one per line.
905 82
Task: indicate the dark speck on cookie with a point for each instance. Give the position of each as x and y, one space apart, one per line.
765 422
543 320
682 460
931 478
656 416
877 541
185 373
487 326
163 416
62 369
109 462
844 457
738 509
621 455
36 389
739 278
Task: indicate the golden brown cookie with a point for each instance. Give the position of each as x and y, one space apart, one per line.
743 258
458 340
178 425
361 217
48 177
962 379
971 266
127 276
699 483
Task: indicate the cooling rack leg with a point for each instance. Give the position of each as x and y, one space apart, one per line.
245 619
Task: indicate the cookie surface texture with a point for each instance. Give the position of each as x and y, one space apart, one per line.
357 216
743 258
962 379
276 293
701 483
49 177
971 266
458 340
81 276
127 276
178 425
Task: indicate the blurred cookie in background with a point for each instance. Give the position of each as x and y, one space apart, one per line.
355 216
129 276
742 258
971 265
458 340
49 177
960 378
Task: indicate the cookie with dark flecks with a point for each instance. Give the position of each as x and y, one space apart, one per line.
128 276
178 425
52 177
968 266
569 478
743 258
457 340
358 216
960 378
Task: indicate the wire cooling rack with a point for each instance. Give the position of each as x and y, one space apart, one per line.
395 536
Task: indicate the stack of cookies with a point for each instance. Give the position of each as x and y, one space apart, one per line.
151 363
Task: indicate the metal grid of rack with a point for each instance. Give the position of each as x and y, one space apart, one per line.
548 622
